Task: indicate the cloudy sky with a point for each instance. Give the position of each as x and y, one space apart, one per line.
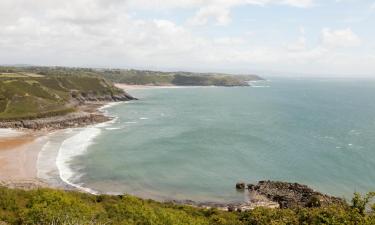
241 36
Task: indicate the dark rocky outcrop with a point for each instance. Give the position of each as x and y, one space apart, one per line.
290 195
92 97
76 119
240 186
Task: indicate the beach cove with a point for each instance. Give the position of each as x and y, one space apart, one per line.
115 157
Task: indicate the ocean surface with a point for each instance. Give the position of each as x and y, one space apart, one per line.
197 142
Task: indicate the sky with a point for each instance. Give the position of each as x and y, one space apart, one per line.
321 37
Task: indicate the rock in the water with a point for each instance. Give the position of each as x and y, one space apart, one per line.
240 186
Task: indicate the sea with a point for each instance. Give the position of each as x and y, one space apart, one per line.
195 143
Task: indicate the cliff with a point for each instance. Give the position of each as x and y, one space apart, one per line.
37 101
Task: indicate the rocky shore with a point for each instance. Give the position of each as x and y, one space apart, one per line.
272 194
57 122
291 195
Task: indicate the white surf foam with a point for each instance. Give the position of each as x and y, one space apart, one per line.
72 147
77 145
109 105
7 133
143 118
113 128
260 86
44 165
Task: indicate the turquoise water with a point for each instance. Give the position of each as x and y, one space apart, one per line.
196 143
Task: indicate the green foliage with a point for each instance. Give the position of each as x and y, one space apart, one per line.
46 206
360 203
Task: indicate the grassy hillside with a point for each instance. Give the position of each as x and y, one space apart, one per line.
30 92
25 95
140 77
47 206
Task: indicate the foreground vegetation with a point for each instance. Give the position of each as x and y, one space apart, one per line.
46 206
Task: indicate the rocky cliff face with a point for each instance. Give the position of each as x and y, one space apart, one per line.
91 97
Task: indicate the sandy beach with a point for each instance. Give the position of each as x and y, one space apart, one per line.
20 148
19 154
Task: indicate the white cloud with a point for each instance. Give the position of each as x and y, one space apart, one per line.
221 16
218 10
340 38
163 4
102 33
300 45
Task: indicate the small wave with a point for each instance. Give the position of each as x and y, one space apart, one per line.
109 105
143 118
108 123
72 147
113 128
42 163
260 86
131 122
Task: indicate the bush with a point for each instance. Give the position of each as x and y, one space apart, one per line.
46 206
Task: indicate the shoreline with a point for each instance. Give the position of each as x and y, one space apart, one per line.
20 145
29 180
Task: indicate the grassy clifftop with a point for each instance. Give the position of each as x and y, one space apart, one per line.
46 206
142 77
25 95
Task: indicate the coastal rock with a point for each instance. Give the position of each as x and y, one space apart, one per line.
240 186
290 195
57 122
87 113
93 97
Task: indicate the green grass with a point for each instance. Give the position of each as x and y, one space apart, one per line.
47 206
40 96
138 77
